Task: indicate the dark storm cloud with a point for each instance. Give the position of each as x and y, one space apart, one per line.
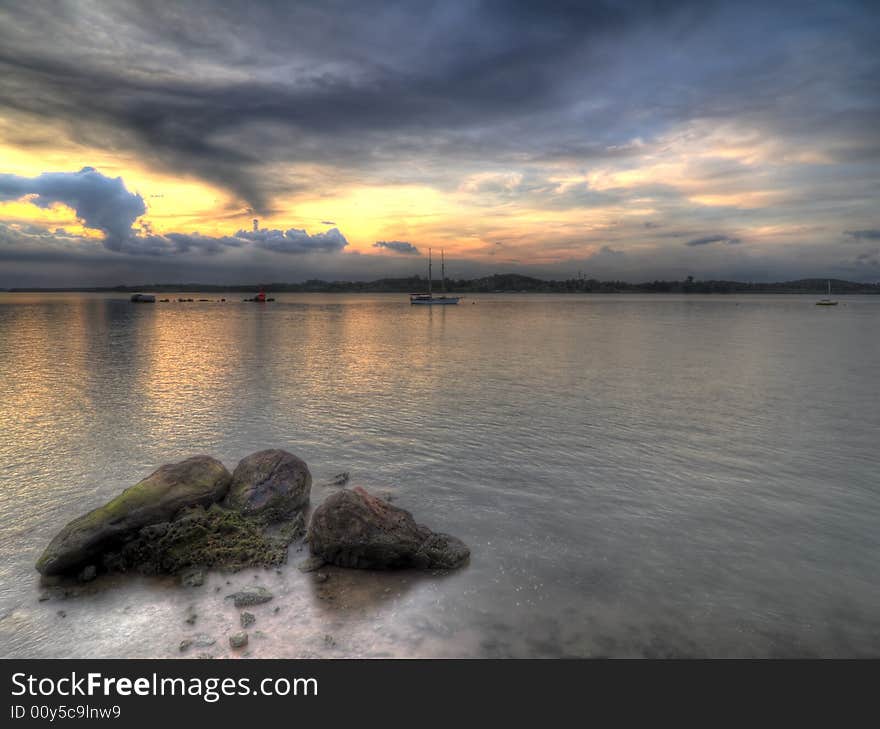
397 246
219 89
102 203
707 240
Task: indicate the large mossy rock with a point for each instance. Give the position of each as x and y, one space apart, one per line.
197 481
355 529
271 484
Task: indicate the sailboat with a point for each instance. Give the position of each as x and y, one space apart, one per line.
829 301
429 299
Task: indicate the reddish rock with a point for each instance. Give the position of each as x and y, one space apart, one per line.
354 529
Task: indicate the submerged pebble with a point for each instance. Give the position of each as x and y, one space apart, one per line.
251 595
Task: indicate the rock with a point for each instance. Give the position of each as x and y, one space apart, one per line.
251 595
271 484
201 640
247 619
310 564
44 596
200 480
191 615
355 529
321 577
238 640
88 574
193 578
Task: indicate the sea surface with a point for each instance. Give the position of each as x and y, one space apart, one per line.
636 475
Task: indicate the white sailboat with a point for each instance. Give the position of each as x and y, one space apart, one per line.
829 301
429 299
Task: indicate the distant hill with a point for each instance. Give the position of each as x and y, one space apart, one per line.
508 283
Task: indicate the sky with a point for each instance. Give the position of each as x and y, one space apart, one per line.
247 142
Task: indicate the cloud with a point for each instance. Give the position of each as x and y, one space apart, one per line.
105 204
216 92
295 241
869 234
101 203
713 239
869 258
397 246
697 117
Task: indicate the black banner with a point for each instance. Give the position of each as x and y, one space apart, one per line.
398 692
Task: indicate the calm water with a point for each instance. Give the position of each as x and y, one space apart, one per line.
635 475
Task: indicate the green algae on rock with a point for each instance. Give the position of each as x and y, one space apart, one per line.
213 537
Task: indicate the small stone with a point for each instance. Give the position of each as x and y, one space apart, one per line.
192 578
62 614
310 564
276 610
191 616
321 577
251 595
247 619
329 641
238 640
88 574
44 596
340 479
200 640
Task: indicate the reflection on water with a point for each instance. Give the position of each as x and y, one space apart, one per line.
635 475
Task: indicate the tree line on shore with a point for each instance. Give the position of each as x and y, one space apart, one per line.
509 283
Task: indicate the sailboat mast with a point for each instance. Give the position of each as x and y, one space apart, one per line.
429 272
443 270
829 287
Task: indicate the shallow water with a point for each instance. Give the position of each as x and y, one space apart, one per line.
636 475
